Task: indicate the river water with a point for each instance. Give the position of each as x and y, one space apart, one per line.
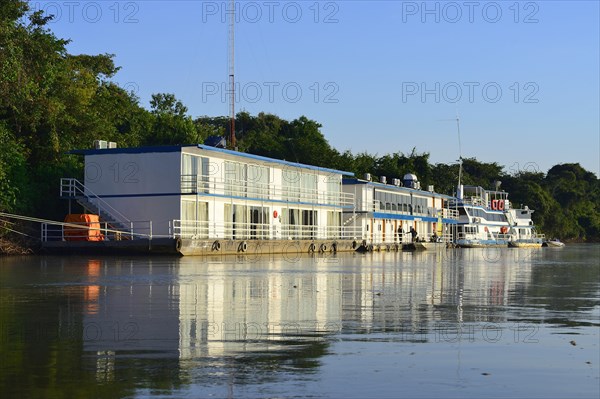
452 323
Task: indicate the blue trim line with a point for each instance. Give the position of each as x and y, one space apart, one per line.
504 224
482 208
381 215
135 150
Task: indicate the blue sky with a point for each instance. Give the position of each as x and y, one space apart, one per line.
380 76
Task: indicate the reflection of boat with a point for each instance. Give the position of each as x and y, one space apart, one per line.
429 244
526 243
554 243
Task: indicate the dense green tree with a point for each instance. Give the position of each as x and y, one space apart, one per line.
14 175
171 124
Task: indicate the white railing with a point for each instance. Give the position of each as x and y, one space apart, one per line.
480 237
198 184
450 214
94 231
260 231
534 238
475 201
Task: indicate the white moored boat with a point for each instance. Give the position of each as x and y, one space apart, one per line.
522 231
482 219
554 243
487 219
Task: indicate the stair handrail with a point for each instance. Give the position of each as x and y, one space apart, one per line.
73 188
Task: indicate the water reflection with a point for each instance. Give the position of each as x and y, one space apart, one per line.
153 325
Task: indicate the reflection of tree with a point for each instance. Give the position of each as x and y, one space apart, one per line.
42 334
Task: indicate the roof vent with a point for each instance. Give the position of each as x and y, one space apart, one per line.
100 144
383 180
367 176
216 141
410 180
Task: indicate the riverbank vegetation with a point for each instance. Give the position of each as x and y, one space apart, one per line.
52 102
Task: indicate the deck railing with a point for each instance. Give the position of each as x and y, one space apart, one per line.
534 238
260 231
101 231
199 184
475 236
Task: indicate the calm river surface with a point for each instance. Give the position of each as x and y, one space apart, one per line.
454 323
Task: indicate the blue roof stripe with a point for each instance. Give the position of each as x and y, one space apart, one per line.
177 148
130 150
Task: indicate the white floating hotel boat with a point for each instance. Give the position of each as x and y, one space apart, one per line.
399 215
487 219
198 200
204 200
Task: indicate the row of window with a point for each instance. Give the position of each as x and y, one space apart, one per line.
408 209
395 202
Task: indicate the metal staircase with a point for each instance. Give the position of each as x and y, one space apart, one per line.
350 219
73 189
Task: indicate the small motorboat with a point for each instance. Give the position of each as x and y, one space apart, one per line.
555 242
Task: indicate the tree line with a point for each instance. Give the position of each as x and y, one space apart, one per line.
52 102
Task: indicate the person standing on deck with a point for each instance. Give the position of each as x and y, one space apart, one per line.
413 234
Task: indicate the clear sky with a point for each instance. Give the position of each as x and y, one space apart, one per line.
380 76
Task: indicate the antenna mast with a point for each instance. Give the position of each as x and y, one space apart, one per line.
232 139
460 160
459 149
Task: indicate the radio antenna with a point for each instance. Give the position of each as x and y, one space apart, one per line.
231 62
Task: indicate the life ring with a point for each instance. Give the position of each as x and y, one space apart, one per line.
243 246
504 229
178 244
500 205
322 248
311 247
494 205
216 246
